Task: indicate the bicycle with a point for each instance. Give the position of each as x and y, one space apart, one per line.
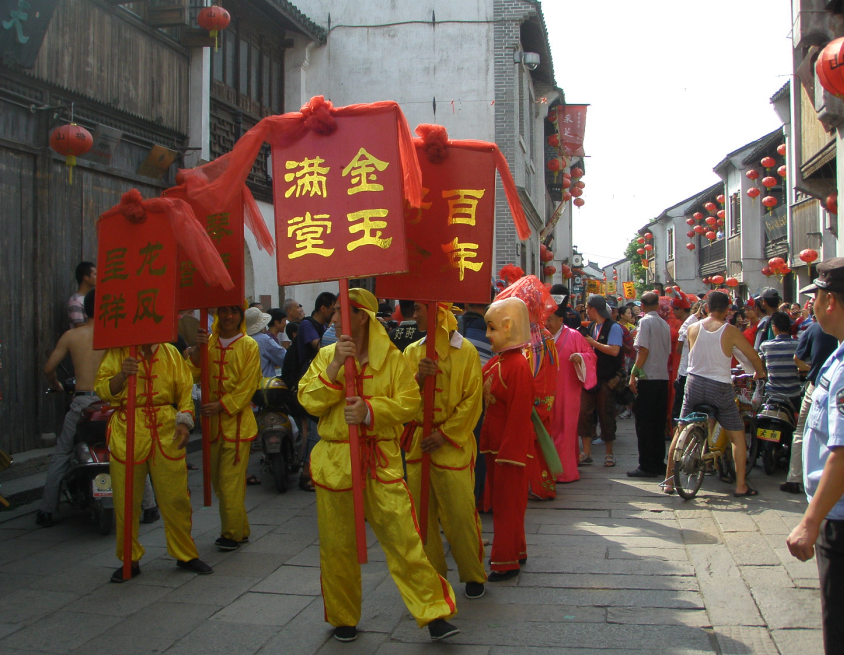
703 443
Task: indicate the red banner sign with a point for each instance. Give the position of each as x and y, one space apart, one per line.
571 123
136 285
339 202
450 238
225 230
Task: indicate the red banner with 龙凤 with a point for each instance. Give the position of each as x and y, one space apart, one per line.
339 201
571 123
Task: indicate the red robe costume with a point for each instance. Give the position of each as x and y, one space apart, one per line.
507 441
567 406
540 478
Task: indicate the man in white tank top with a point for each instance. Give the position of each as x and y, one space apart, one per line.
711 345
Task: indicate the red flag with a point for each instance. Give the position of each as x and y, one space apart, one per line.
571 123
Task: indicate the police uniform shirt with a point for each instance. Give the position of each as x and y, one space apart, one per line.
825 426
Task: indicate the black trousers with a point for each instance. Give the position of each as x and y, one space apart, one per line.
679 390
830 553
651 409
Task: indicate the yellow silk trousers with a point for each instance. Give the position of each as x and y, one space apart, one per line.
451 504
170 480
229 480
388 510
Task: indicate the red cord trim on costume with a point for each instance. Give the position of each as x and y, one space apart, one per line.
412 509
508 461
449 440
446 595
336 387
322 486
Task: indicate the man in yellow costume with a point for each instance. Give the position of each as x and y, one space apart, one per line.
163 420
387 396
234 363
458 398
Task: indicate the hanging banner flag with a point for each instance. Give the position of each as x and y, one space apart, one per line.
593 286
629 290
339 201
611 286
571 123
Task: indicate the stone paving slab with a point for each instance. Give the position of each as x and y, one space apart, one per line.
798 642
61 632
743 640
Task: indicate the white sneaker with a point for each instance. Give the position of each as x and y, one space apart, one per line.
597 442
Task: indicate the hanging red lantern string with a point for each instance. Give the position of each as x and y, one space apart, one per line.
690 221
690 246
549 270
711 220
566 183
766 271
707 280
781 149
640 240
690 233
721 214
641 251
832 203
752 174
577 192
213 19
566 196
648 247
768 162
698 216
71 140
710 207
699 229
769 181
648 235
580 184
554 165
769 202
754 192
782 171
808 255
576 172
717 279
732 282
554 140
711 235
579 202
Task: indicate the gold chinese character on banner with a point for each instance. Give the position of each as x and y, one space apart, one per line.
362 171
151 253
462 204
310 179
414 215
458 253
367 226
217 226
309 235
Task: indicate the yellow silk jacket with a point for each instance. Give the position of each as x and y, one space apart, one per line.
163 385
458 401
387 386
235 375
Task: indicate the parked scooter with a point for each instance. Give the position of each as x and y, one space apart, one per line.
87 484
276 432
776 420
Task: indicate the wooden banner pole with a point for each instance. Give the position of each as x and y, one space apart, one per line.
205 389
428 389
129 478
354 433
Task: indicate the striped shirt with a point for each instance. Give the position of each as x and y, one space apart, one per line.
783 376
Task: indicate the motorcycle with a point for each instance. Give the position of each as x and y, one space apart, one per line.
776 420
87 484
276 432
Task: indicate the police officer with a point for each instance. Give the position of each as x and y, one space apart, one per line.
823 460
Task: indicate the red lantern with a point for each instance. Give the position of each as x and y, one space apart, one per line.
690 221
567 175
711 220
832 202
576 192
766 271
752 174
768 162
576 172
554 165
769 181
698 216
213 19
711 235
71 140
546 256
781 149
554 140
640 240
828 67
579 202
782 171
717 279
700 229
690 233
808 255
550 270
566 272
776 263
710 206
690 246
648 235
707 280
641 251
721 214
754 192
615 277
648 247
732 282
720 198
566 183
566 196
769 201
785 270
580 184
552 117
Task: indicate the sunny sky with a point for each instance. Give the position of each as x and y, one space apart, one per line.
673 87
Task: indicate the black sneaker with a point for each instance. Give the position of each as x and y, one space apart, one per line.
346 633
117 576
224 543
441 629
151 515
195 565
501 576
474 590
305 484
791 487
44 519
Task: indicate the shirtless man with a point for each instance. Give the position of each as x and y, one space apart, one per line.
712 343
79 343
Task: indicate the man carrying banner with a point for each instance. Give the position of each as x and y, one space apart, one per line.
387 397
163 420
457 405
235 373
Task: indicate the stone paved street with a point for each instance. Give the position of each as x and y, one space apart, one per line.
614 567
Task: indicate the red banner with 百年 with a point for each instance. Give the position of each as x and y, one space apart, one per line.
571 124
450 238
339 201
136 285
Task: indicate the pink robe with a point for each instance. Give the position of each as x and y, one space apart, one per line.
567 405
